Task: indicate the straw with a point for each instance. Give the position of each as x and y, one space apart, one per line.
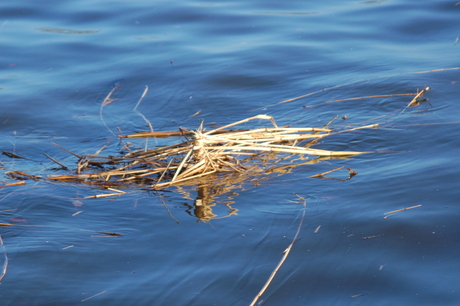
216 153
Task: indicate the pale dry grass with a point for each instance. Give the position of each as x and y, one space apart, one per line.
203 154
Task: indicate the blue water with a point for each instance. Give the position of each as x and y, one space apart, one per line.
232 60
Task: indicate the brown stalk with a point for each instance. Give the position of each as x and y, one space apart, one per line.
13 184
140 114
84 300
286 253
166 134
370 97
83 163
239 122
354 82
55 144
162 174
418 96
63 166
22 175
181 165
108 100
399 210
321 175
167 209
104 195
12 155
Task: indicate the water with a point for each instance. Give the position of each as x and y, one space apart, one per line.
226 59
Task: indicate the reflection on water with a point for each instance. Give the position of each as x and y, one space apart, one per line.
202 206
208 195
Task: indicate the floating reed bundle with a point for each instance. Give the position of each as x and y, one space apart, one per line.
203 154
222 158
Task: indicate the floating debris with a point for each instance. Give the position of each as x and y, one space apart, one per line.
218 154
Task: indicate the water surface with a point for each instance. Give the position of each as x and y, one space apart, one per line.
227 59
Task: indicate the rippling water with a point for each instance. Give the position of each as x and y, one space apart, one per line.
227 59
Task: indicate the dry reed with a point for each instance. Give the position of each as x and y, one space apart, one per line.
285 253
202 155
